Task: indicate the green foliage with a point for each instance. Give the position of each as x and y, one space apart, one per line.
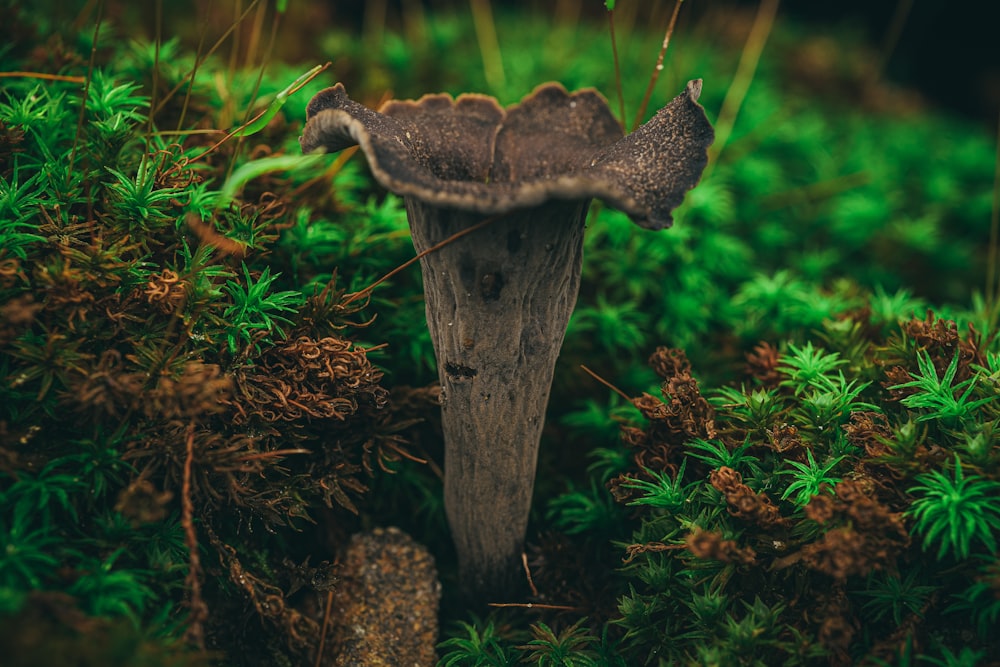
592 512
569 648
662 492
476 649
809 479
819 438
755 410
806 365
254 311
830 402
891 596
955 511
717 455
936 398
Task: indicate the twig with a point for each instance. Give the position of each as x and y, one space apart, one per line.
252 49
158 38
655 76
199 610
43 75
606 383
527 573
202 34
326 625
86 90
350 298
895 29
634 550
288 92
532 605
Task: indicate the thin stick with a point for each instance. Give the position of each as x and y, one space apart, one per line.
899 17
203 33
745 71
659 66
532 605
527 573
86 90
993 255
234 44
254 43
606 383
156 70
275 454
199 611
42 75
81 17
437 246
326 625
618 70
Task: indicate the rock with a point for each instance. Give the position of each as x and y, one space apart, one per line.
385 607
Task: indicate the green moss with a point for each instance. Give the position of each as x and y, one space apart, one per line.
178 462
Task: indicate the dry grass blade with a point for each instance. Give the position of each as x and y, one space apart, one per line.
618 69
86 90
44 76
489 46
752 50
993 254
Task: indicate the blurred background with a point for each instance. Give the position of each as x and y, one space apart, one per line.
944 50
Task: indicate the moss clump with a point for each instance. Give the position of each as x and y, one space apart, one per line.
188 419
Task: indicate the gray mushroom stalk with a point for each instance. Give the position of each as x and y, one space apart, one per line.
499 299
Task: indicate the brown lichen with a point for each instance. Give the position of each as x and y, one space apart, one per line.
710 545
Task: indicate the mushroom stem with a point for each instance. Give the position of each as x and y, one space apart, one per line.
498 304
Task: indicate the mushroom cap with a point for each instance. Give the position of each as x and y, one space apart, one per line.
473 155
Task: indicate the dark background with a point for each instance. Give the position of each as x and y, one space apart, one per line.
948 50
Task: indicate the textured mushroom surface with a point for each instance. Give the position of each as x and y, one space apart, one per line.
470 154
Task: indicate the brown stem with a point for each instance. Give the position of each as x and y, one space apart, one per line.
86 91
199 611
498 303
326 625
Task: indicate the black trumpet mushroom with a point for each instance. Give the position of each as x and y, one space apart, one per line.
499 299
